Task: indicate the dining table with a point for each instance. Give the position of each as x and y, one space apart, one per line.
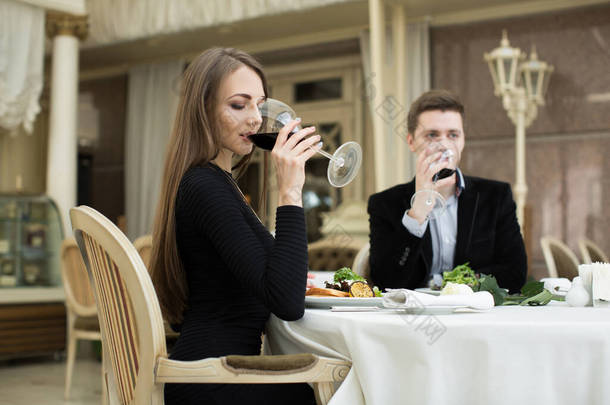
552 354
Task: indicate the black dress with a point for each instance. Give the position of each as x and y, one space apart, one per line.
237 274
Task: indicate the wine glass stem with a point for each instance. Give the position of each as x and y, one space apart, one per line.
324 153
338 161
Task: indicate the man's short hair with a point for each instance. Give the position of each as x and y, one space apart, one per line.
433 100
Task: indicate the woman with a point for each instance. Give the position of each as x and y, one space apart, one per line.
218 272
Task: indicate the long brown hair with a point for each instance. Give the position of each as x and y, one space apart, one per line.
194 141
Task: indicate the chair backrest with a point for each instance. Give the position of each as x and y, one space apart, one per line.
128 309
361 262
330 255
591 252
144 247
559 258
79 295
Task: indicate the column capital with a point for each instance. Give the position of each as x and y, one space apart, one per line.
67 24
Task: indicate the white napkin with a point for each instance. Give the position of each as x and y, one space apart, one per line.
600 284
585 272
403 298
557 285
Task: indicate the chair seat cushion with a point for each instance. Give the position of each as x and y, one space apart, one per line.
285 362
87 323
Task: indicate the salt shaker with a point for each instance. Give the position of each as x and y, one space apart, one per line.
578 296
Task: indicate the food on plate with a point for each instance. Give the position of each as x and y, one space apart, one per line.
360 289
456 289
325 292
462 274
345 273
344 279
463 279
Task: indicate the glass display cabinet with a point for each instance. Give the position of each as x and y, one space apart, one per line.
32 309
30 238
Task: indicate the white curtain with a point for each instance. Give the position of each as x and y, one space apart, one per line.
120 20
417 81
152 99
21 64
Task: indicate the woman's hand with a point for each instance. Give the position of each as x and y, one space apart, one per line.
310 280
289 157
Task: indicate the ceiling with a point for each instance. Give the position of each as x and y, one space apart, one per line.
338 23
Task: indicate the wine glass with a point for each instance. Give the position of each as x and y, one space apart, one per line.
432 199
344 163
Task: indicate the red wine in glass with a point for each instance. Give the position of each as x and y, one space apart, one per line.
433 198
265 140
443 174
343 164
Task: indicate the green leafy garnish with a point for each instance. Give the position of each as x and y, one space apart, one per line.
542 298
377 292
532 288
345 273
462 274
490 284
532 293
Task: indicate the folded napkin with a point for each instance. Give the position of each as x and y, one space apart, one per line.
403 298
600 273
557 285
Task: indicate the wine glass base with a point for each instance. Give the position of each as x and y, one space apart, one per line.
345 164
433 201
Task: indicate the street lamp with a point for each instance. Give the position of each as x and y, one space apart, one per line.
522 85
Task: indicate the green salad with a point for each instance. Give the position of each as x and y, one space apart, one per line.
462 274
532 293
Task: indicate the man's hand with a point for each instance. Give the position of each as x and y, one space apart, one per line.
427 166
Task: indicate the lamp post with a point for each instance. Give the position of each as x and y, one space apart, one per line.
522 85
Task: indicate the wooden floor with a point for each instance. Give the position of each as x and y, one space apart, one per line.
41 381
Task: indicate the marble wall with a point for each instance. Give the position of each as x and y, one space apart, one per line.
567 145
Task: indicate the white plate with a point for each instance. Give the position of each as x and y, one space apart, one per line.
327 302
428 291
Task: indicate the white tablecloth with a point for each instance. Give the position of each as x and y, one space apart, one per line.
509 355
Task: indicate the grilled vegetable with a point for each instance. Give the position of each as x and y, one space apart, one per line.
360 289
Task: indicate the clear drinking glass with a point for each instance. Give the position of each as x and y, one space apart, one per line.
343 165
432 198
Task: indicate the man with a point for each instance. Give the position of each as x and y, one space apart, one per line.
410 243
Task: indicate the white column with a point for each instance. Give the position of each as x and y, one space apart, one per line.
377 32
62 152
399 34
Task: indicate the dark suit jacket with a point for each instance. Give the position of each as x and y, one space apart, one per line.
488 236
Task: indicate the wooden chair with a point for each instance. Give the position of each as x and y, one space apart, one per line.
143 245
81 311
361 262
559 258
591 252
136 364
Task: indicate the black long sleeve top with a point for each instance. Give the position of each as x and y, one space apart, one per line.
237 273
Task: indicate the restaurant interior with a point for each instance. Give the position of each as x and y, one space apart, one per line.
88 95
